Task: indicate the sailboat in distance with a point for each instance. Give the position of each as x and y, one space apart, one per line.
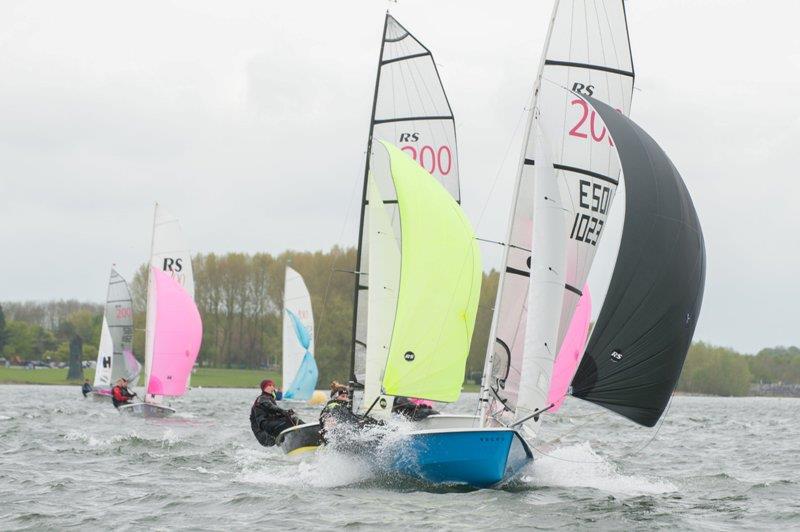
299 367
115 353
174 328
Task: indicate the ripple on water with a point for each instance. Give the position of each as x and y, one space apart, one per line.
81 463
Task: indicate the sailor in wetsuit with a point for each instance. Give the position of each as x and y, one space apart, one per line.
120 395
338 411
413 409
267 419
86 389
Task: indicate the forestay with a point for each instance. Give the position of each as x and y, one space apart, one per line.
299 368
439 288
411 110
587 52
639 343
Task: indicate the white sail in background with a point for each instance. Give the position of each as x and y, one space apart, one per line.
384 267
410 110
115 354
588 52
119 317
170 254
105 354
297 302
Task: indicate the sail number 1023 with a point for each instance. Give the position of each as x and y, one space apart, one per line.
596 199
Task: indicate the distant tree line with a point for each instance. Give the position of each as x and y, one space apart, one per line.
240 300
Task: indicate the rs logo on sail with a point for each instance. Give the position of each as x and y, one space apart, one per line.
580 88
172 265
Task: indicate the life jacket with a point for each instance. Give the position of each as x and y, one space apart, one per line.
118 397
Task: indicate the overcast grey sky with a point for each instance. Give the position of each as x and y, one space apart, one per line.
248 120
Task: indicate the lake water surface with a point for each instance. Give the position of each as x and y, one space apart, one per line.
715 463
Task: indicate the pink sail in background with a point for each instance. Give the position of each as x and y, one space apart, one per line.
176 339
569 356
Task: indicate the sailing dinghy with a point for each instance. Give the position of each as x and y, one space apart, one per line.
425 287
576 141
299 367
115 354
410 109
174 328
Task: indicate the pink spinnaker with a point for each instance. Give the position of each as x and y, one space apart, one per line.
177 337
569 356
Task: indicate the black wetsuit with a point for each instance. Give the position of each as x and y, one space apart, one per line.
267 419
338 412
414 412
86 389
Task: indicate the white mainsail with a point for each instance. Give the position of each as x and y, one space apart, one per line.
105 354
297 302
411 110
588 52
170 254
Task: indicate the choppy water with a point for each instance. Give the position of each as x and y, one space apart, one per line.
716 463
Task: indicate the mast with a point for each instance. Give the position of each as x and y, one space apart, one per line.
357 275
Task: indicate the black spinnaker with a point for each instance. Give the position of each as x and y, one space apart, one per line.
638 346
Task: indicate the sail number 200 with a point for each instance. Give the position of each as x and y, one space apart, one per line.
431 158
596 198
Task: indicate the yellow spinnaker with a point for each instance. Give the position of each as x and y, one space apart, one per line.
440 284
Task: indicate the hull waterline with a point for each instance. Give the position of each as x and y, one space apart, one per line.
477 457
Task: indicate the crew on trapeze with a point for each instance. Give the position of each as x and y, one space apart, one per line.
120 395
87 388
413 409
267 419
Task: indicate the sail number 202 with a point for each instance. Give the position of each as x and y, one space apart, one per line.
596 199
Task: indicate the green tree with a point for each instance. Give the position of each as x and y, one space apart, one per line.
3 334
